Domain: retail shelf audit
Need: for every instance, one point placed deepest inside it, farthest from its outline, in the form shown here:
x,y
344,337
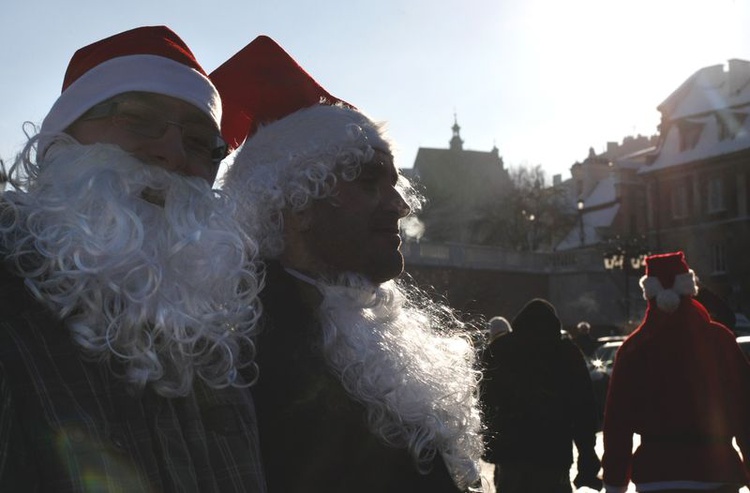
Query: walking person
x,y
540,402
680,381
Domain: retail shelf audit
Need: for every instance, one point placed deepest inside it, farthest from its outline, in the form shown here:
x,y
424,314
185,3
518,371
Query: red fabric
x,y
148,40
682,382
666,266
260,84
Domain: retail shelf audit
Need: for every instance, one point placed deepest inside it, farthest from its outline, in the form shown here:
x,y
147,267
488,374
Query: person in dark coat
x,y
539,402
364,385
583,339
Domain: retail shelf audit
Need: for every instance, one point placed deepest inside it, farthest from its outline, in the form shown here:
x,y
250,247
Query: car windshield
x,y
604,355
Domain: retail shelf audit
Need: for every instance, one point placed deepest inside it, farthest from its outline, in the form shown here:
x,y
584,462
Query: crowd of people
x,y
165,332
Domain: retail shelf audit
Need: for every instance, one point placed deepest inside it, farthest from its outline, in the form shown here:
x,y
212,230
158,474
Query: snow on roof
x,y
599,211
710,96
603,192
592,220
708,144
709,89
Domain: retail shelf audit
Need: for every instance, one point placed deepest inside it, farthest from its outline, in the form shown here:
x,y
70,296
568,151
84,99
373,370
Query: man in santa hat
x,y
365,384
682,383
128,292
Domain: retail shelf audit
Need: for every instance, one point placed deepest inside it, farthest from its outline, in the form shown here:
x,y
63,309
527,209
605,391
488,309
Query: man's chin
x,y
387,269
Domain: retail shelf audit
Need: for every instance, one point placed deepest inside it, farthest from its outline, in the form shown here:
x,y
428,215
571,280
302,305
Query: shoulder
x,y
722,331
16,299
35,346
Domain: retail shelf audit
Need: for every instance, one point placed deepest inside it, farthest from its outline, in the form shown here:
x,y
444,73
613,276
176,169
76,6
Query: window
x,y
679,199
719,258
690,134
716,195
731,125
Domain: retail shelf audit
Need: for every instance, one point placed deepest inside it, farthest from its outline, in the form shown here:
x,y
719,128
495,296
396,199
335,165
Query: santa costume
x,y
360,386
682,383
124,322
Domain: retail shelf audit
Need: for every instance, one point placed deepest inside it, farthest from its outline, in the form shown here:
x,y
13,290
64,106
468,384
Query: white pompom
x,y
667,300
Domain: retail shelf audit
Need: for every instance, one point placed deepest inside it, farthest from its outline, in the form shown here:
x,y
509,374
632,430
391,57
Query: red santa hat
x,y
668,277
261,84
149,59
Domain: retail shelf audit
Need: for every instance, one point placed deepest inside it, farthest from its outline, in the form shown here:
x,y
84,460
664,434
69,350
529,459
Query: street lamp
x,y
530,230
581,236
628,255
532,233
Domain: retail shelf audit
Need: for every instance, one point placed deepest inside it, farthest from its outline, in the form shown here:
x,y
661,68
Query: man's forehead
x,y
381,158
171,106
386,153
382,163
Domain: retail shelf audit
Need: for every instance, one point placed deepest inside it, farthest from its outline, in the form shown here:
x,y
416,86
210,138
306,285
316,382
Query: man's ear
x,y
298,221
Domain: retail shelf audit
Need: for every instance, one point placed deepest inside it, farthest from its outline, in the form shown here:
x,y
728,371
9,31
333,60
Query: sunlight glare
x,y
611,63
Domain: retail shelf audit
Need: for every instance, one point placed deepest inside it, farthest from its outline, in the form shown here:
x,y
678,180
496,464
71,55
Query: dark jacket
x,y
314,437
69,425
538,395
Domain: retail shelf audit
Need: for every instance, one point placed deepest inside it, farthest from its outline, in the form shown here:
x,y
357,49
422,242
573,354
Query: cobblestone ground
x,y
488,470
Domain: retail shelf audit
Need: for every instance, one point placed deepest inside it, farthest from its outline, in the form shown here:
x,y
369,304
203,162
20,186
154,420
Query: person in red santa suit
x,y
682,383
364,384
128,293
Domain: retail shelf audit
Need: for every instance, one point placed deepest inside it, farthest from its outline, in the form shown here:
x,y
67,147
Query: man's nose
x,y
168,151
397,203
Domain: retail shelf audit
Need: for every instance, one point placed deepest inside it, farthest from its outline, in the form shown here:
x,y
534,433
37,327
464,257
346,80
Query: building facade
x,y
687,188
459,186
697,180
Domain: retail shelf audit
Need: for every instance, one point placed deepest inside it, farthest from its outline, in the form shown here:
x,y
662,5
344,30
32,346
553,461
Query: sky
x,y
541,80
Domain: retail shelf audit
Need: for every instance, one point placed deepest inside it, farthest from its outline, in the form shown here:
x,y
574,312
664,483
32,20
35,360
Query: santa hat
x,y
262,84
149,59
667,278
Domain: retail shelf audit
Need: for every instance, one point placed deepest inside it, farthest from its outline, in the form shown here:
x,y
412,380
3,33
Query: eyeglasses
x,y
200,140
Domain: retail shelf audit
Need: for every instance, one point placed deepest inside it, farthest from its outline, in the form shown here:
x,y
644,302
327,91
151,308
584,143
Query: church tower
x,y
456,143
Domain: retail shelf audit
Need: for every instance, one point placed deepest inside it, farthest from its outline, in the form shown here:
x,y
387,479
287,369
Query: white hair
x,y
405,358
410,362
170,291
289,163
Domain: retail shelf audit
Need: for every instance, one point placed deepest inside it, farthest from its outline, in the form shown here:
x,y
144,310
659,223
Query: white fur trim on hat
x,y
324,127
146,73
317,132
669,299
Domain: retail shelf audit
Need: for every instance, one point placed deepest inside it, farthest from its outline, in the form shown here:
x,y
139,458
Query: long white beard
x,y
169,291
415,377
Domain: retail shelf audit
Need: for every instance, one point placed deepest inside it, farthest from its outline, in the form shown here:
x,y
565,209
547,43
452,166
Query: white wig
x,y
410,361
170,291
299,158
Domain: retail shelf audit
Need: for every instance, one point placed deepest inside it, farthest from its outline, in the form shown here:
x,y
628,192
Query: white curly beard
x,y
415,377
169,291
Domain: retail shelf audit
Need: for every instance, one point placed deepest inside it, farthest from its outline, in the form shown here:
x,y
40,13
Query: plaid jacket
x,y
68,425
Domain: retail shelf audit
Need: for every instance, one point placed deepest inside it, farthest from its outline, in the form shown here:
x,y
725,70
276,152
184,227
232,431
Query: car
x,y
741,324
744,342
604,357
600,367
605,339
